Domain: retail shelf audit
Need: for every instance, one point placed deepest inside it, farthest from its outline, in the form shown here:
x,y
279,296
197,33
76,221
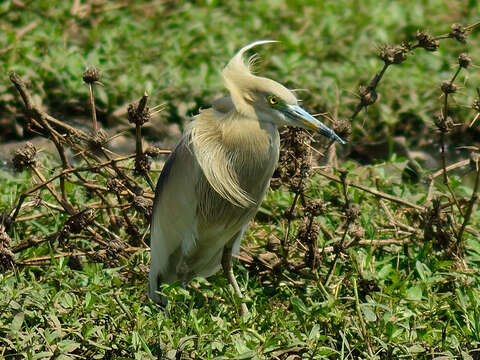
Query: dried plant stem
x,y
371,87
66,205
471,203
34,261
443,131
286,238
92,106
375,192
360,316
102,237
440,172
40,116
349,221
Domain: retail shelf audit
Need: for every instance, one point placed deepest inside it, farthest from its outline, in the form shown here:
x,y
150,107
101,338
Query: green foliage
x,y
412,301
176,49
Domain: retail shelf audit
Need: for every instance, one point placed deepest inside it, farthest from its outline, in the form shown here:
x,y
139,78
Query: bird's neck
x,y
247,137
234,152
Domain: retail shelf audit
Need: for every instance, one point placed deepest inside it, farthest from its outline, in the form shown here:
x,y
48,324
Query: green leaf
x,y
299,305
414,293
17,322
368,313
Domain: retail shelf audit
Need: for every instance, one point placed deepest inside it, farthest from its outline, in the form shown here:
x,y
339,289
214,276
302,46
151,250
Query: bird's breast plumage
x,y
240,154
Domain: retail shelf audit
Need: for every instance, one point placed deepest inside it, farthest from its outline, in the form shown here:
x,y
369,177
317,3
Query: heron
x,y
216,177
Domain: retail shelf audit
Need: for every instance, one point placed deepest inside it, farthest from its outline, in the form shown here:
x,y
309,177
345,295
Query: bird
x,y
217,175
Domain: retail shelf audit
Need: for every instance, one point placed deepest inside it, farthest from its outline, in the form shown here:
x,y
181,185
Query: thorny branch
x,y
95,215
391,55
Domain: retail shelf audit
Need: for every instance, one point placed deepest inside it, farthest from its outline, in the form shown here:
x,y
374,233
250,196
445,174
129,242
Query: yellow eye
x,y
273,100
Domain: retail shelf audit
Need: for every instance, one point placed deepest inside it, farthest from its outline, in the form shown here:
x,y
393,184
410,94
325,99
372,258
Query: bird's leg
x,y
227,265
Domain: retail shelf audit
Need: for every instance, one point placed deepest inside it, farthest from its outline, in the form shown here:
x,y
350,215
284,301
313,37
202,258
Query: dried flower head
x,y
24,157
352,211
143,164
476,105
273,243
457,31
143,205
448,87
427,41
153,151
97,140
7,258
444,125
367,95
77,222
393,54
357,232
464,60
315,207
308,232
343,128
91,75
138,117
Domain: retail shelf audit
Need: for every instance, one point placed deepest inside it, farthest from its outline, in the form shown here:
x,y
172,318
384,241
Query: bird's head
x,y
266,99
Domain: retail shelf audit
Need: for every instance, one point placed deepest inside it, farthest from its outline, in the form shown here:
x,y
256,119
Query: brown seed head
x,y
97,140
357,232
458,32
91,75
427,41
24,157
352,211
448,87
368,96
393,54
153,151
315,207
273,243
476,104
308,233
78,222
7,258
143,205
464,60
343,128
444,125
138,117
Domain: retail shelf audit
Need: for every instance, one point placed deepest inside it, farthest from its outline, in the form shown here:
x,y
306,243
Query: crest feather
x,y
238,77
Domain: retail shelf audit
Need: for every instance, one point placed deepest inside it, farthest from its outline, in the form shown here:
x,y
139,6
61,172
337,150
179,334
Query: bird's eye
x,y
273,100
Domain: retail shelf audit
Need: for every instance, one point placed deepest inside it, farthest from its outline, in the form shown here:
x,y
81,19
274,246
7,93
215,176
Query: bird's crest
x,y
238,76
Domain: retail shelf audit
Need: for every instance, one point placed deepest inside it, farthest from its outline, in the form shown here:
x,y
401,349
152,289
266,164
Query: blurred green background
x,y
175,50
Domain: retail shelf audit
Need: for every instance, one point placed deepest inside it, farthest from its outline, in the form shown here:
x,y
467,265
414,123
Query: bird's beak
x,y
303,119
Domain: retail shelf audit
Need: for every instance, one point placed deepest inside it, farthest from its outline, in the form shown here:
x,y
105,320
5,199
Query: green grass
x,y
415,301
175,51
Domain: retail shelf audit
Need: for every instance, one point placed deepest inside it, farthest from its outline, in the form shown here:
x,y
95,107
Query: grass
x,y
175,50
412,301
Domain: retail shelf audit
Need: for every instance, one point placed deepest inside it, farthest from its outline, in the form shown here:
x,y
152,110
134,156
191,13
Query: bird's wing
x,y
173,218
